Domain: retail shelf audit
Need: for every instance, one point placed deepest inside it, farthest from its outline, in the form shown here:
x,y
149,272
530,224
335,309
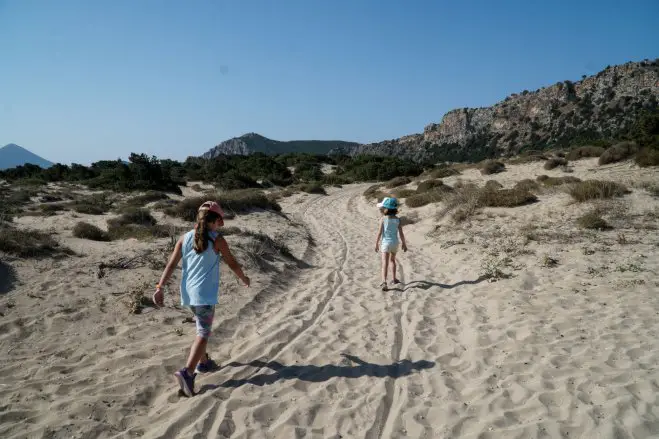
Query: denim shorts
x,y
204,319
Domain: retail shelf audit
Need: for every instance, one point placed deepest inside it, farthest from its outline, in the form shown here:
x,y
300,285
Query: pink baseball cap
x,y
213,207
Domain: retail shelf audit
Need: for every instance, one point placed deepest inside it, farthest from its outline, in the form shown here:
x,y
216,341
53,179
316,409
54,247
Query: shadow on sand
x,y
322,373
424,284
7,277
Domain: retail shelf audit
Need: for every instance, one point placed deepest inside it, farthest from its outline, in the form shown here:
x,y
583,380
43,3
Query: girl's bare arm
x,y
223,248
377,239
402,237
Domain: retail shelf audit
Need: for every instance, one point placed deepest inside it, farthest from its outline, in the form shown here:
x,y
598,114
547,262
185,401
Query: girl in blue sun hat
x,y
387,240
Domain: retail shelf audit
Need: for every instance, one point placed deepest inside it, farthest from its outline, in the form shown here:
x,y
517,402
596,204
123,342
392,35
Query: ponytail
x,y
201,234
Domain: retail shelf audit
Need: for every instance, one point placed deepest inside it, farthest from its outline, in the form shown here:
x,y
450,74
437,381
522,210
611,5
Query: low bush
x,y
557,181
505,198
596,189
489,167
555,162
89,231
133,215
398,181
428,185
313,188
29,243
592,220
647,157
492,185
443,172
527,185
618,152
232,202
433,195
583,152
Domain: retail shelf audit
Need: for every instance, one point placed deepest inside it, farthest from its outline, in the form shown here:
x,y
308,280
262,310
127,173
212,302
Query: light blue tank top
x,y
390,230
200,283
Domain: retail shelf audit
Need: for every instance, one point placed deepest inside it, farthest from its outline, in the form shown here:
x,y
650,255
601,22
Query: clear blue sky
x,y
85,80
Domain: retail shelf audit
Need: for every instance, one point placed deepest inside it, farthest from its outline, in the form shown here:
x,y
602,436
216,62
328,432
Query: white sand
x,y
569,351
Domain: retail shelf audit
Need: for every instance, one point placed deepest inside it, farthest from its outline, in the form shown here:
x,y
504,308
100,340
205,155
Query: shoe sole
x,y
184,386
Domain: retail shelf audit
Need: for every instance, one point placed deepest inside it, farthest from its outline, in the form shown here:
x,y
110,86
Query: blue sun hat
x,y
388,203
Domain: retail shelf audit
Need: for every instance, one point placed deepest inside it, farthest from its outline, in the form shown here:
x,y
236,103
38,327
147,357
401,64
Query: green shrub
x,y
97,204
89,231
378,168
233,181
596,189
555,162
584,152
335,179
618,152
373,191
505,198
138,231
492,167
647,157
592,220
398,181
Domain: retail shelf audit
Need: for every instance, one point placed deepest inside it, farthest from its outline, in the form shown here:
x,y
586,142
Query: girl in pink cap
x,y
201,251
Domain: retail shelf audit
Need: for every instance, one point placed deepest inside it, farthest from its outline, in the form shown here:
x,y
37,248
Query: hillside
x,y
13,155
603,106
252,142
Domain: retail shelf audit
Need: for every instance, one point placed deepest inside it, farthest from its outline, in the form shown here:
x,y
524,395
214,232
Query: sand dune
x,y
316,350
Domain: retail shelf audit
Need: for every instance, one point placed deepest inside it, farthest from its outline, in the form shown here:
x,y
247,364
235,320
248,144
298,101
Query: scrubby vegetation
x,y
596,189
232,202
398,181
618,152
89,231
489,167
592,220
554,162
28,243
583,152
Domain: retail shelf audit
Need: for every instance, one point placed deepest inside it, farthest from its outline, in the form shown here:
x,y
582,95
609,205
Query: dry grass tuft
x,y
398,181
28,243
89,231
493,185
505,198
596,189
583,152
527,185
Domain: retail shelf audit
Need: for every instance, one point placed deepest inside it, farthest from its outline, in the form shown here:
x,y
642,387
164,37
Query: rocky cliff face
x,y
601,106
252,142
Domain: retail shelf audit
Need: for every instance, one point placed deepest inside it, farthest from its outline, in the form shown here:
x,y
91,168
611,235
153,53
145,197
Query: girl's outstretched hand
x,y
159,297
404,247
246,281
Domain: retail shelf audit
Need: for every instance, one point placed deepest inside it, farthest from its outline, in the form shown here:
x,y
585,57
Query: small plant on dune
x,y
555,162
489,167
261,248
463,202
149,197
596,189
398,181
492,268
549,261
85,230
592,220
409,218
618,152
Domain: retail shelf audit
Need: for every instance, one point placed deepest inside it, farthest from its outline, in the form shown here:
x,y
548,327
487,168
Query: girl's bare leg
x,y
385,266
393,265
197,350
